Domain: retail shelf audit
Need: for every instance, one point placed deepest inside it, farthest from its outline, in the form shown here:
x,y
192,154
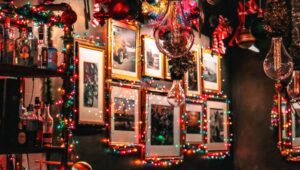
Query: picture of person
x,y
90,84
210,70
152,60
297,123
124,114
216,125
162,126
193,80
193,123
124,49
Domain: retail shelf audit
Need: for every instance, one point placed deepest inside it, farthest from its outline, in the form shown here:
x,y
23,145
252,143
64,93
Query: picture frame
x,y
167,70
211,71
162,127
91,72
217,127
125,115
124,50
193,78
295,108
194,123
154,62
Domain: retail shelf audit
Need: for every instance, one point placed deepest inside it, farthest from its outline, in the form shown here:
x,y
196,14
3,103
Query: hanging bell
x,y
245,39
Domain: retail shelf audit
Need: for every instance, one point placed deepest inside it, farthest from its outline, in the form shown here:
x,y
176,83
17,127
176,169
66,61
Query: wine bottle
x,y
32,126
9,44
22,49
33,45
37,107
22,136
47,127
52,56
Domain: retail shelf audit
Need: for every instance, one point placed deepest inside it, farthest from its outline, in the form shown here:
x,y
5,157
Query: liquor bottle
x,y
32,126
47,127
1,42
52,56
42,45
9,43
22,141
37,107
22,49
33,46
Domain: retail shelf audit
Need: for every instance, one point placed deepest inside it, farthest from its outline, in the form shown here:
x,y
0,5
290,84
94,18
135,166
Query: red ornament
x,y
101,16
69,17
82,166
119,9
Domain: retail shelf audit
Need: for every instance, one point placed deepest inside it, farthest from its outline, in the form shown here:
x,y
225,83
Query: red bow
x,y
221,32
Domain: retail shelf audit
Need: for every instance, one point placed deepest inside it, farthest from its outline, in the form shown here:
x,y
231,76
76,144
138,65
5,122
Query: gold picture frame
x,y
167,70
91,82
124,50
194,88
211,71
153,65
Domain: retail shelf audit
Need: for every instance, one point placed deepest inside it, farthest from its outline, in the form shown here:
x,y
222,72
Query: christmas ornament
x,y
220,33
81,166
173,35
176,96
258,27
69,17
245,39
124,9
100,17
278,64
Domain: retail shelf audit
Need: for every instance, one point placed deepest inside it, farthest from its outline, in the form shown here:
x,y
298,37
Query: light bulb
x,y
176,95
293,88
278,64
173,35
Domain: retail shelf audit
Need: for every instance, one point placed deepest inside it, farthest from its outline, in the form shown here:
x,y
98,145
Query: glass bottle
x,y
9,43
22,49
47,127
22,136
278,64
32,126
42,45
176,95
33,46
52,56
1,42
37,107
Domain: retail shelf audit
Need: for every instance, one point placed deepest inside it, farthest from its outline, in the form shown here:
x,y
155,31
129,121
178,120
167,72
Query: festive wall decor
x,y
217,129
293,88
194,124
124,50
193,75
91,83
125,116
295,124
163,129
154,61
211,75
221,32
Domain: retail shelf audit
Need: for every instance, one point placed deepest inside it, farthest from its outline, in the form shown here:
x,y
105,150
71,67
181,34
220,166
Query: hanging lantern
x,y
293,88
245,39
173,35
176,94
278,64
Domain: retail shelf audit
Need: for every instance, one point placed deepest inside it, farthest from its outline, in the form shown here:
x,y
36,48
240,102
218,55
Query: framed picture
x,y
211,64
91,83
167,71
296,124
217,130
285,118
193,125
163,129
193,83
153,59
125,116
124,51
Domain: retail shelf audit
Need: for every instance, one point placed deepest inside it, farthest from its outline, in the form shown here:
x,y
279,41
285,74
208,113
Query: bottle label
x,y
22,138
24,51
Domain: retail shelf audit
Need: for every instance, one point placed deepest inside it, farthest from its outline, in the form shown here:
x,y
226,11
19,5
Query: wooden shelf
x,y
19,150
23,71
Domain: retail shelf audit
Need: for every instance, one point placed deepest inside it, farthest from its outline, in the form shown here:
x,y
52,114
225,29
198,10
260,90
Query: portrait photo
x,y
162,128
193,76
217,128
153,59
124,50
91,83
125,115
211,71
193,125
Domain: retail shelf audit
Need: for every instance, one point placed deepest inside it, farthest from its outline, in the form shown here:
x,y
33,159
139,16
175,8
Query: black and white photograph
x,y
217,127
295,124
211,71
193,123
216,123
124,114
162,125
90,84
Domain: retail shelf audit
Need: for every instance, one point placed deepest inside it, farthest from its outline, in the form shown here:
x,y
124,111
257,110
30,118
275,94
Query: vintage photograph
x,y
90,84
153,59
193,123
193,75
124,114
216,123
162,125
211,71
297,123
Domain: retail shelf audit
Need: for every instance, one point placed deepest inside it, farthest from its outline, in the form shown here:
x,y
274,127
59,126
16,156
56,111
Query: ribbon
x,y
100,14
221,32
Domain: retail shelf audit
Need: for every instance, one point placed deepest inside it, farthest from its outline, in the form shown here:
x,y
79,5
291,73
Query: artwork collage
x,y
136,111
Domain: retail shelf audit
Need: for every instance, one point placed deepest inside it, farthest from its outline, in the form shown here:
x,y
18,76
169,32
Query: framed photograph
x,y
91,83
125,116
296,124
153,59
193,125
217,130
193,83
167,71
285,118
211,75
124,50
163,129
